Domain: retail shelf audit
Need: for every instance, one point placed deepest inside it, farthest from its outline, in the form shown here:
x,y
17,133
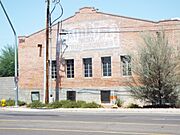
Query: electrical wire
x,y
62,11
151,28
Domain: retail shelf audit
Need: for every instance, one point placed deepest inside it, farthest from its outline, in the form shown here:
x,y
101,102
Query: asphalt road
x,y
60,123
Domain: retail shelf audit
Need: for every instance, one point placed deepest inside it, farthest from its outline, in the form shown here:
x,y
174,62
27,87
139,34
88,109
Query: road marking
x,y
91,122
164,119
82,131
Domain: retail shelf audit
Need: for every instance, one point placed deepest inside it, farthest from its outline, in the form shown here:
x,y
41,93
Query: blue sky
x,y
28,16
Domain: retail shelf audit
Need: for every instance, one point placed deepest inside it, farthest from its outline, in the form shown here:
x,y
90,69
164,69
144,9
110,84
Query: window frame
x,y
106,66
70,68
53,69
87,67
35,94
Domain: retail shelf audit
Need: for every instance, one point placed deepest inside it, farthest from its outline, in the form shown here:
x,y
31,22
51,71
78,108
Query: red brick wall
x,y
130,37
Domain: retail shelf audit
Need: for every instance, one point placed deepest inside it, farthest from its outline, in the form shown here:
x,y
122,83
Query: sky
x,y
28,16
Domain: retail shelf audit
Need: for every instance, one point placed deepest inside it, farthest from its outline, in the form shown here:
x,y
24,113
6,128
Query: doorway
x,y
71,95
105,96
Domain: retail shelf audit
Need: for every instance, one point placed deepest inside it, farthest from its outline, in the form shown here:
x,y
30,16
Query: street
x,y
88,123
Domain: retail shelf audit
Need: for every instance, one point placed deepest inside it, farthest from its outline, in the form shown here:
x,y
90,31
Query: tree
x,y
7,62
156,71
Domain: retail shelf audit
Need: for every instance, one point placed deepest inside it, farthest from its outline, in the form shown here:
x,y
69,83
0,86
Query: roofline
x,y
127,17
169,20
35,33
145,20
45,28
89,8
166,20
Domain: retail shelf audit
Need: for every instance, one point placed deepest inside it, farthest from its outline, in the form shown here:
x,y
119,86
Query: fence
x,y
7,88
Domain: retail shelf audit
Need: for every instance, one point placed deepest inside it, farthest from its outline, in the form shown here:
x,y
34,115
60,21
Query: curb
x,y
93,110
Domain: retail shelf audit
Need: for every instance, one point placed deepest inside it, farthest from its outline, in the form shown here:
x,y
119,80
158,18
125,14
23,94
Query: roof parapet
x,y
22,39
86,10
171,19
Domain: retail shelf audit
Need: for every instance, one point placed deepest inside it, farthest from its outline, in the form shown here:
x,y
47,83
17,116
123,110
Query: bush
x,y
69,104
132,105
36,104
158,106
21,103
56,104
81,104
64,104
91,105
72,104
119,102
10,102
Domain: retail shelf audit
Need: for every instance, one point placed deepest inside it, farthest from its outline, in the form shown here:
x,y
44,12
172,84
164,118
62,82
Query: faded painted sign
x,y
92,35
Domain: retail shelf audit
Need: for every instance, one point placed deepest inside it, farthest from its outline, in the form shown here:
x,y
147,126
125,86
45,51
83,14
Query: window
x,y
87,67
53,70
70,68
106,66
126,65
35,96
71,95
105,96
40,49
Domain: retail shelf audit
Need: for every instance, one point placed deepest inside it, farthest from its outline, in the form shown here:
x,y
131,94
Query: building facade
x,y
95,60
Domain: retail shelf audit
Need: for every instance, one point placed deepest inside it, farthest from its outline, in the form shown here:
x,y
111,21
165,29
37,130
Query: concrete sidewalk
x,y
92,110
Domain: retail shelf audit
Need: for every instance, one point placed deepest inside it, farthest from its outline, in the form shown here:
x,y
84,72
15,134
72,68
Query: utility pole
x,y
47,52
15,55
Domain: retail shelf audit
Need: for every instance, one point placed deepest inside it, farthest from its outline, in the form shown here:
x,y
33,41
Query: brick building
x,y
97,62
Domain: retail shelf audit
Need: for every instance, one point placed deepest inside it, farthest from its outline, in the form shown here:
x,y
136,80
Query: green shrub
x,y
21,103
80,103
132,105
69,104
64,104
119,102
56,104
10,102
72,104
36,104
91,105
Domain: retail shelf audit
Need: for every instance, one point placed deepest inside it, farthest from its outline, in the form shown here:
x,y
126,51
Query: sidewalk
x,y
93,110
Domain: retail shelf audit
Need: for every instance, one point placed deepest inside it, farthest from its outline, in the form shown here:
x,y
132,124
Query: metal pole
x,y
58,42
44,81
50,65
47,53
15,55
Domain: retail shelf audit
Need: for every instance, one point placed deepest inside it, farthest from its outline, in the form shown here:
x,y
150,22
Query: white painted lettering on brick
x,y
92,35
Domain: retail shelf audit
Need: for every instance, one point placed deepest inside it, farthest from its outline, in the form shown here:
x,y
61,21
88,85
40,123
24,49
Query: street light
x,y
15,54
